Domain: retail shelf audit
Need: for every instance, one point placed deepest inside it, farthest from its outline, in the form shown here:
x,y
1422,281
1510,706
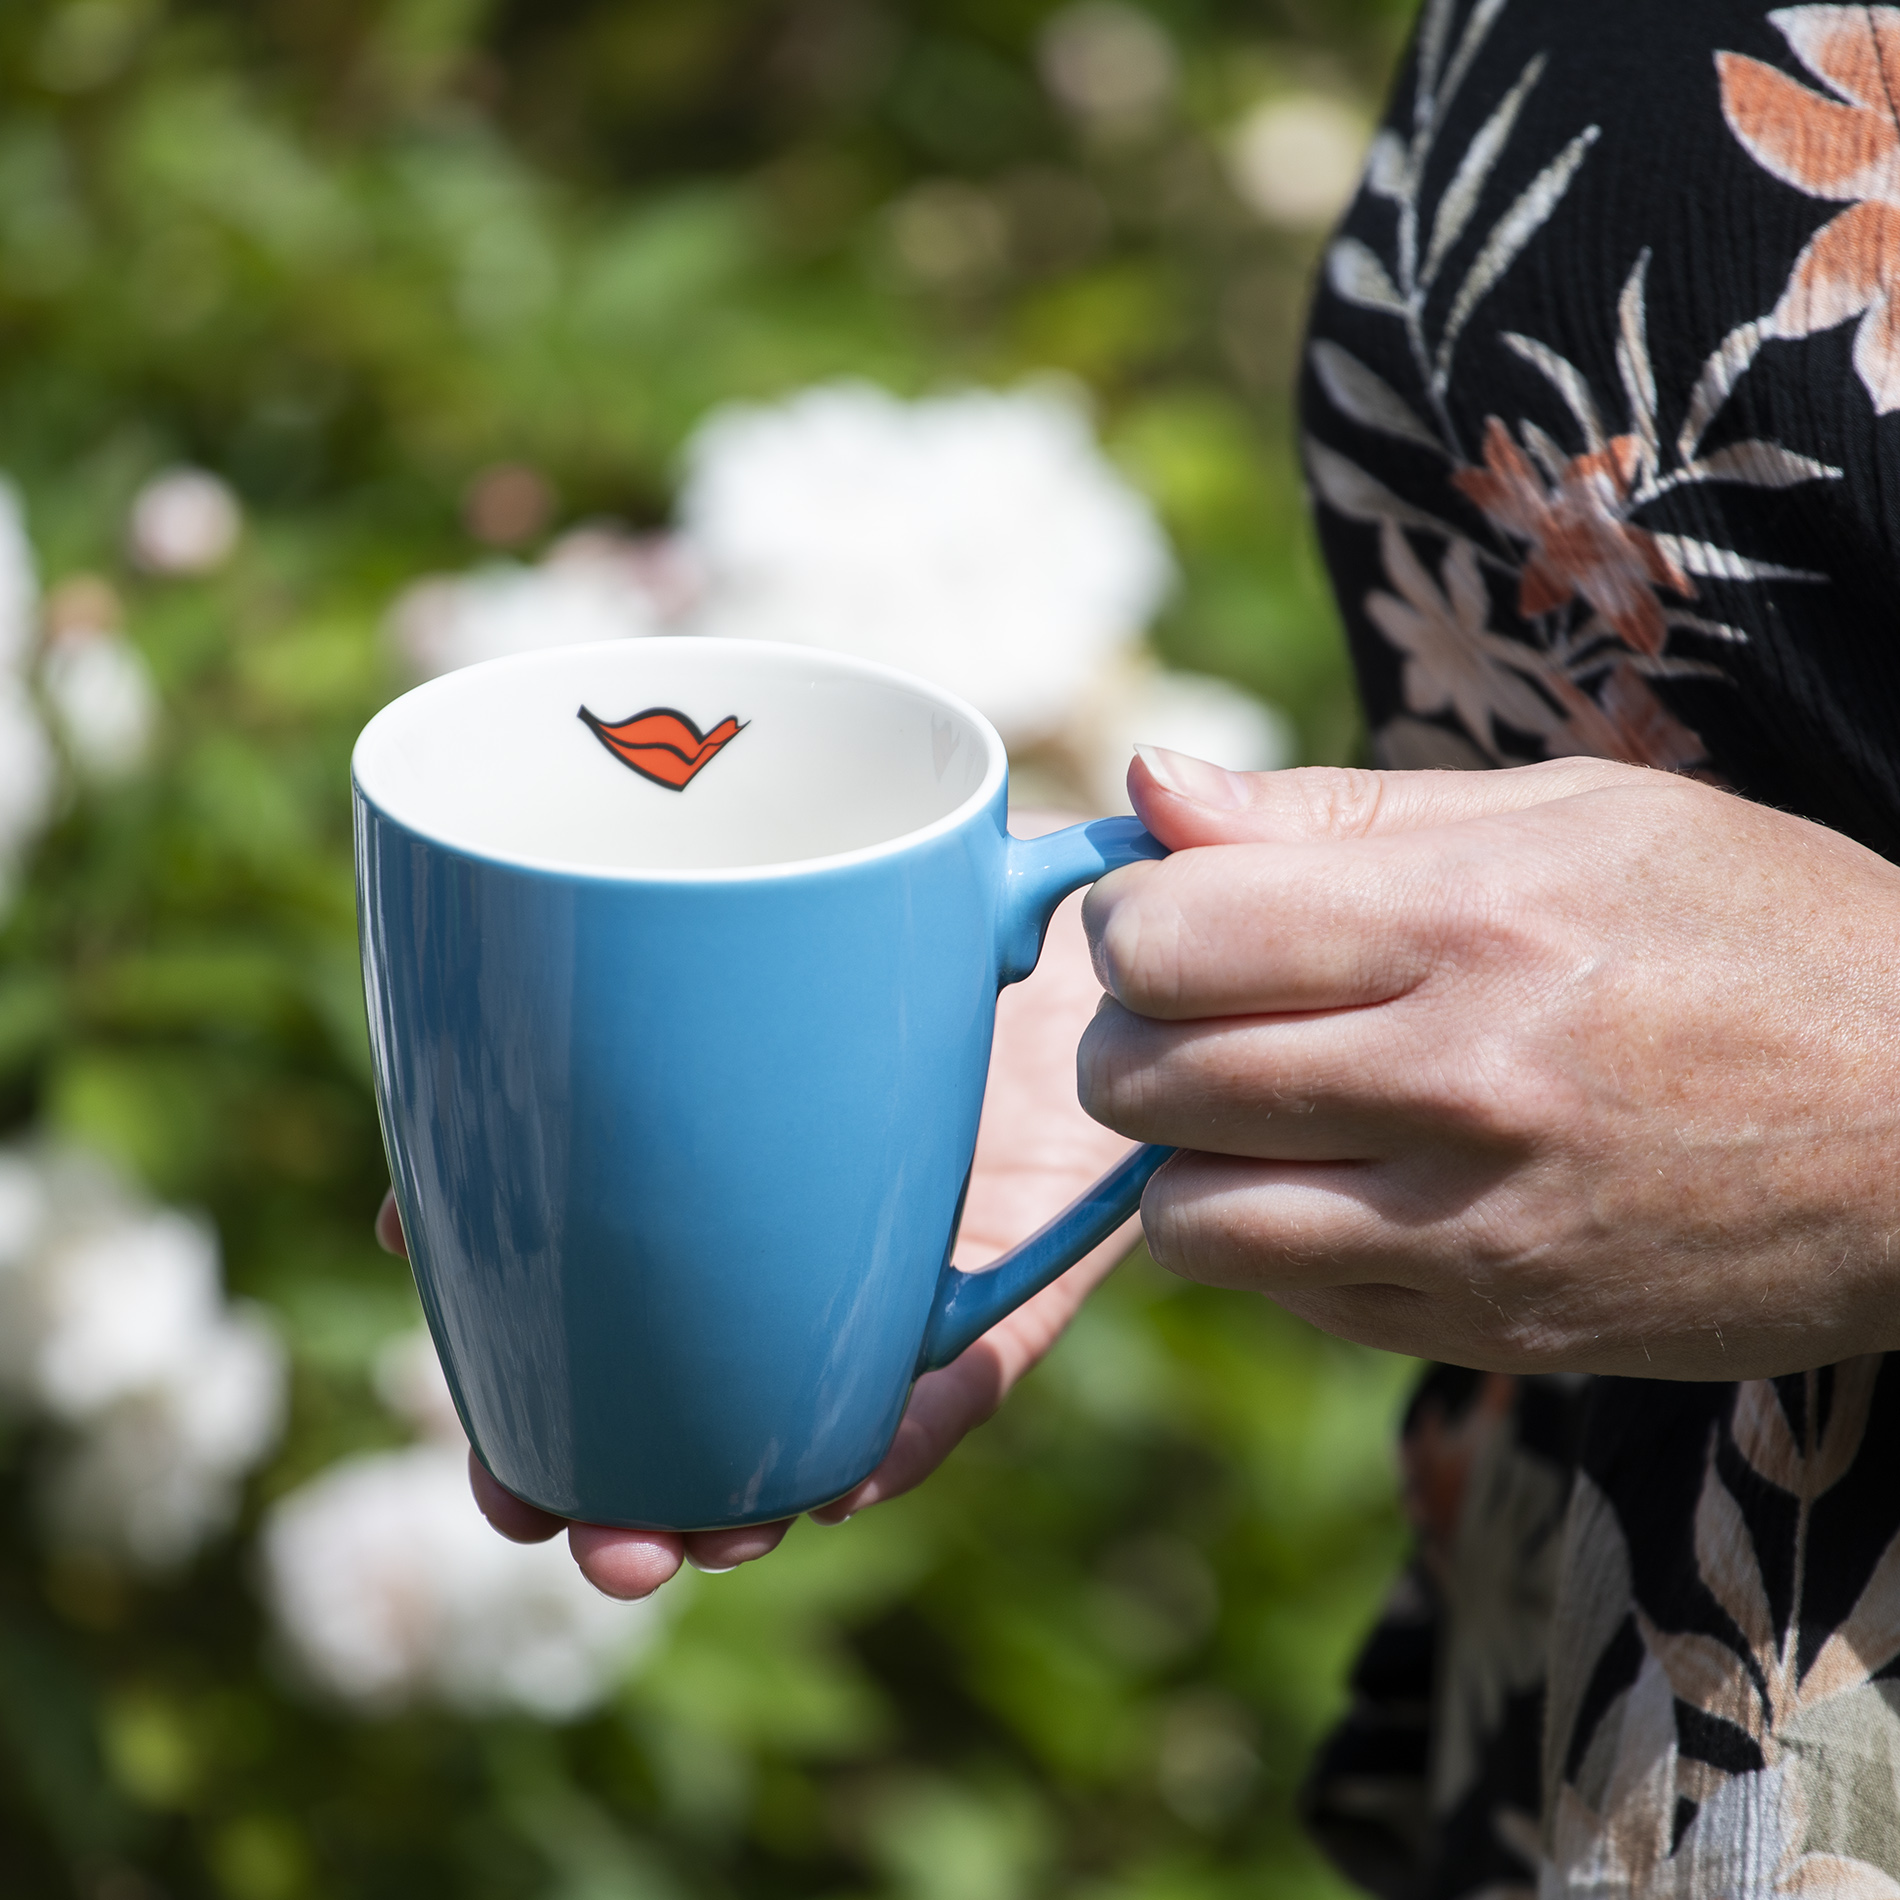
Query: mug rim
x,y
995,773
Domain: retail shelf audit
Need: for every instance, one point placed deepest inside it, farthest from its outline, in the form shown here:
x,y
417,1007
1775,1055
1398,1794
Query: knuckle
x,y
1138,957
1178,1223
1339,801
1108,1074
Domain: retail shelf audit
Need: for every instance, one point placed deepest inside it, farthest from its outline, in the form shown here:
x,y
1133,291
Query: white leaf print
x,y
1725,1557
1698,1781
1760,465
1358,276
1453,659
1361,497
1762,1435
1474,170
1868,1640
1593,1605
1567,380
1433,32
1848,1413
1639,1799
1386,167
1366,397
1726,367
1686,622
1723,564
1595,632
1483,17
1706,1674
1835,1877
1550,457
1508,237
1669,668
1633,364
1404,744
1740,1842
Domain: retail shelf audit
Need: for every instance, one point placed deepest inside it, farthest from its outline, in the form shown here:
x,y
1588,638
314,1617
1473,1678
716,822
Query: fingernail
x,y
1192,778
711,1570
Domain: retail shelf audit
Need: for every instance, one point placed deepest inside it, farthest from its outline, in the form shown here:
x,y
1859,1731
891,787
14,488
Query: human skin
x,y
1036,1151
1575,1067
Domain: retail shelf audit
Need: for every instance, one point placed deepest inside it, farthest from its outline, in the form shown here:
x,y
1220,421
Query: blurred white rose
x,y
102,698
1295,162
1108,62
157,1473
114,1325
29,769
184,521
19,584
23,1211
410,1383
122,1303
389,1587
981,540
1142,704
595,584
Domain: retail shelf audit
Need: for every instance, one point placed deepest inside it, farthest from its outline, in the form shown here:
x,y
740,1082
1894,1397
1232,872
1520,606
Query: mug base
x,y
774,1513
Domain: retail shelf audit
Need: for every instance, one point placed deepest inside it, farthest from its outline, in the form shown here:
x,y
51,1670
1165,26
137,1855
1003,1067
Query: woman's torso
x,y
1598,409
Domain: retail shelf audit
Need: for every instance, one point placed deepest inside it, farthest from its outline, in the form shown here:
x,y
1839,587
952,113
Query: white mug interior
x,y
676,755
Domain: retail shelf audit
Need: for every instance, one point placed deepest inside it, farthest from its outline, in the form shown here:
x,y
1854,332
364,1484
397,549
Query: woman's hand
x,y
1577,1066
1036,1151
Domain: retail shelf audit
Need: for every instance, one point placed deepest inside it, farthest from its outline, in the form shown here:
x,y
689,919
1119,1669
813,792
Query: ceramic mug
x,y
682,959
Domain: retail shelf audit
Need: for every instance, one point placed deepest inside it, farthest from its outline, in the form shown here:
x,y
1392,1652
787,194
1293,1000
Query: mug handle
x,y
1038,874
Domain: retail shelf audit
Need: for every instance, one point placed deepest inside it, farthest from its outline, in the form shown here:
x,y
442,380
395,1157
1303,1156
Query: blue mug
x,y
682,959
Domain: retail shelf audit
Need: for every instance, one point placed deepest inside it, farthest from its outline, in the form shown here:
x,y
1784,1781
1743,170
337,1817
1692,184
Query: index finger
x,y
1260,929
1186,801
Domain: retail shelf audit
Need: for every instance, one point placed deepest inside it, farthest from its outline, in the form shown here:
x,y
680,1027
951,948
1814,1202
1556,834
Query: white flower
x,y
113,1324
28,766
1296,161
23,1211
1108,62
19,584
981,540
389,1587
184,521
101,694
123,1304
1206,718
157,1473
594,585
409,1381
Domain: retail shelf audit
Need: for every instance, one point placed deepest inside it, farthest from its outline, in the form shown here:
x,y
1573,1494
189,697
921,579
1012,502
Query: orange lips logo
x,y
663,745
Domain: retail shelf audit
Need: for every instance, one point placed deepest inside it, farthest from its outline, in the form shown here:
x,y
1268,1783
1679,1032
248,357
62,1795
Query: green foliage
x,y
347,252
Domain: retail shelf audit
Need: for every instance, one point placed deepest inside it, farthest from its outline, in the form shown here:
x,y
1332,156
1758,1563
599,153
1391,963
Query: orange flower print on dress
x,y
1844,147
1582,543
1624,721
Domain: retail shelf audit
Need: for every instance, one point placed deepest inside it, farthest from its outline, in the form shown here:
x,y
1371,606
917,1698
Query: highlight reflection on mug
x,y
663,744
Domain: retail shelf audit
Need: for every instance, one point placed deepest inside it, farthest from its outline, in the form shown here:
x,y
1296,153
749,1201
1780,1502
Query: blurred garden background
x,y
345,340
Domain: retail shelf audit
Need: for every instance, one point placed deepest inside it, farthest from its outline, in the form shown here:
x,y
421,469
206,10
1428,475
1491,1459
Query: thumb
x,y
1186,801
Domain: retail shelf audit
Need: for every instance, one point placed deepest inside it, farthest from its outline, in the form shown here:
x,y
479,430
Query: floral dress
x,y
1598,417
